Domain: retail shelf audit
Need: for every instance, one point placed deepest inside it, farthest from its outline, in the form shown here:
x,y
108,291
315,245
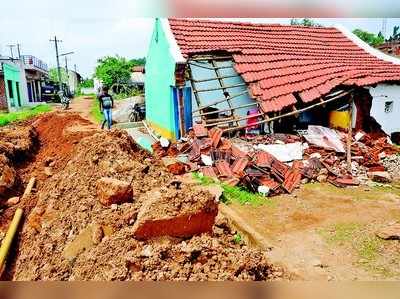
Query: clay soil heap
x,y
70,235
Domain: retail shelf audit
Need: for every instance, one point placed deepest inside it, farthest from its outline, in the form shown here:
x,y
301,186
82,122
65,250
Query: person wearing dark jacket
x,y
106,103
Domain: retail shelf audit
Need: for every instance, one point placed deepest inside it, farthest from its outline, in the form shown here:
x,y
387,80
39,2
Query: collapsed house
x,y
272,78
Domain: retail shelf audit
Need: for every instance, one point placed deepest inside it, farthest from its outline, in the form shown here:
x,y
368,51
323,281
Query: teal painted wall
x,y
13,73
160,76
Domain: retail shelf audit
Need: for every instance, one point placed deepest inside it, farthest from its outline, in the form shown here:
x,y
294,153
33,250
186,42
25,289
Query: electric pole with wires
x,y
56,41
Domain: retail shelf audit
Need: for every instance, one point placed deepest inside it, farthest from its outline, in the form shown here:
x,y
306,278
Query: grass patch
x,y
237,238
368,248
235,194
25,113
355,193
95,110
339,233
124,95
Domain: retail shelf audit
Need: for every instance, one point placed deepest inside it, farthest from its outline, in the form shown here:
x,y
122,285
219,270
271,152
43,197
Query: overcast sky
x,y
94,31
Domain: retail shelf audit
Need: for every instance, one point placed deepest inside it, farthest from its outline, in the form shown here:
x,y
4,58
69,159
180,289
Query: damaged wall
x,y
386,106
160,76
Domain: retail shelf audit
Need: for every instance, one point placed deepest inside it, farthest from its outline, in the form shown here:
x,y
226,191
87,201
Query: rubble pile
x,y
200,258
392,164
278,163
82,232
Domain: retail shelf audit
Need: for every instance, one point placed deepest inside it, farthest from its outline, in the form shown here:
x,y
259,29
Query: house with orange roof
x,y
238,76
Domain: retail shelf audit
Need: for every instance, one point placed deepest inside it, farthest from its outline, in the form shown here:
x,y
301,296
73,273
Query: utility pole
x,y
384,25
66,64
19,50
56,41
75,68
11,50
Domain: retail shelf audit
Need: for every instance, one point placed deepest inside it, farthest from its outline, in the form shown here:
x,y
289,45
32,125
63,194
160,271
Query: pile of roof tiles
x,y
227,160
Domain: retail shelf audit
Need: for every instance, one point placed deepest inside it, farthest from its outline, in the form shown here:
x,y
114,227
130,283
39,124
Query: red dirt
x,y
56,140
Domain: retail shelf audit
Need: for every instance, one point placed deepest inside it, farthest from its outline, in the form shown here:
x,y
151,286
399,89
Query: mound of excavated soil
x,y
17,143
201,258
71,235
56,139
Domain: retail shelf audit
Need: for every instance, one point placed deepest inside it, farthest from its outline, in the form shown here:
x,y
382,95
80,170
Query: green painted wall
x,y
13,74
160,76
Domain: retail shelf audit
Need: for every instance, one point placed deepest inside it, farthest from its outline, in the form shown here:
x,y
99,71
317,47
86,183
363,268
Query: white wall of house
x,y
386,106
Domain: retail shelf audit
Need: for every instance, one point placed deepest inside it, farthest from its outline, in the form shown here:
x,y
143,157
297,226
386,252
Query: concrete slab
x,y
143,139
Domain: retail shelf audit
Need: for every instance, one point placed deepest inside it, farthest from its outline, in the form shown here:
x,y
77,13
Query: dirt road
x,y
83,105
325,233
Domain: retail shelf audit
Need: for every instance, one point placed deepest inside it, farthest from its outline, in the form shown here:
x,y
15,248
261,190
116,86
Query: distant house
x,y
391,48
21,81
231,75
13,91
36,72
74,79
138,77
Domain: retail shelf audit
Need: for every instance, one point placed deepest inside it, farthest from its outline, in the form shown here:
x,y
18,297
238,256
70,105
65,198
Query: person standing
x,y
106,102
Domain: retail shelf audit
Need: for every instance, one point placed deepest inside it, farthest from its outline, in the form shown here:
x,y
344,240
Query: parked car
x,y
50,92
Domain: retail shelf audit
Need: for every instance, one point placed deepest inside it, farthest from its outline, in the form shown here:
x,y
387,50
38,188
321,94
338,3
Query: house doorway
x,y
182,103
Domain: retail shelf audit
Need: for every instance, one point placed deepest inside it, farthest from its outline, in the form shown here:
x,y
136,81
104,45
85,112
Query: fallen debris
x,y
281,162
112,191
380,176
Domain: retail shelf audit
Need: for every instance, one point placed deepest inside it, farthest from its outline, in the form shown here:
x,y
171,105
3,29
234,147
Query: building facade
x,y
36,72
21,81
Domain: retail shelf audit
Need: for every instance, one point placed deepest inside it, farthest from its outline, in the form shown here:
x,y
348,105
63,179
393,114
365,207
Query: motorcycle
x,y
137,112
64,100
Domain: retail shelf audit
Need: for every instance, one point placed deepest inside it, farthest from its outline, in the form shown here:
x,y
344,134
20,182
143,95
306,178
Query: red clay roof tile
x,y
224,168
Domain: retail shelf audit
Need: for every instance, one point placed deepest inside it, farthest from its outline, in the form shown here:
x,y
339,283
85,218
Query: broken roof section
x,y
281,63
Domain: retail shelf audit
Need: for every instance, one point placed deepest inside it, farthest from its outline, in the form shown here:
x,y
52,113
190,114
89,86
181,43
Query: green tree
x,y
396,34
304,22
53,75
370,38
113,70
138,61
87,83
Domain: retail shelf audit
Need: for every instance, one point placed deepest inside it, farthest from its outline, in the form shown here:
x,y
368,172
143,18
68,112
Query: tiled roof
x,y
278,61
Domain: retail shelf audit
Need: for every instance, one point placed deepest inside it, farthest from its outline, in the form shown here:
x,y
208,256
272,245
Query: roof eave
x,y
173,45
360,43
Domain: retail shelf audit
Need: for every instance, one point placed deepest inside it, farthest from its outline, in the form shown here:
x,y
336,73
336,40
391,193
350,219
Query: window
x,y
389,107
10,89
